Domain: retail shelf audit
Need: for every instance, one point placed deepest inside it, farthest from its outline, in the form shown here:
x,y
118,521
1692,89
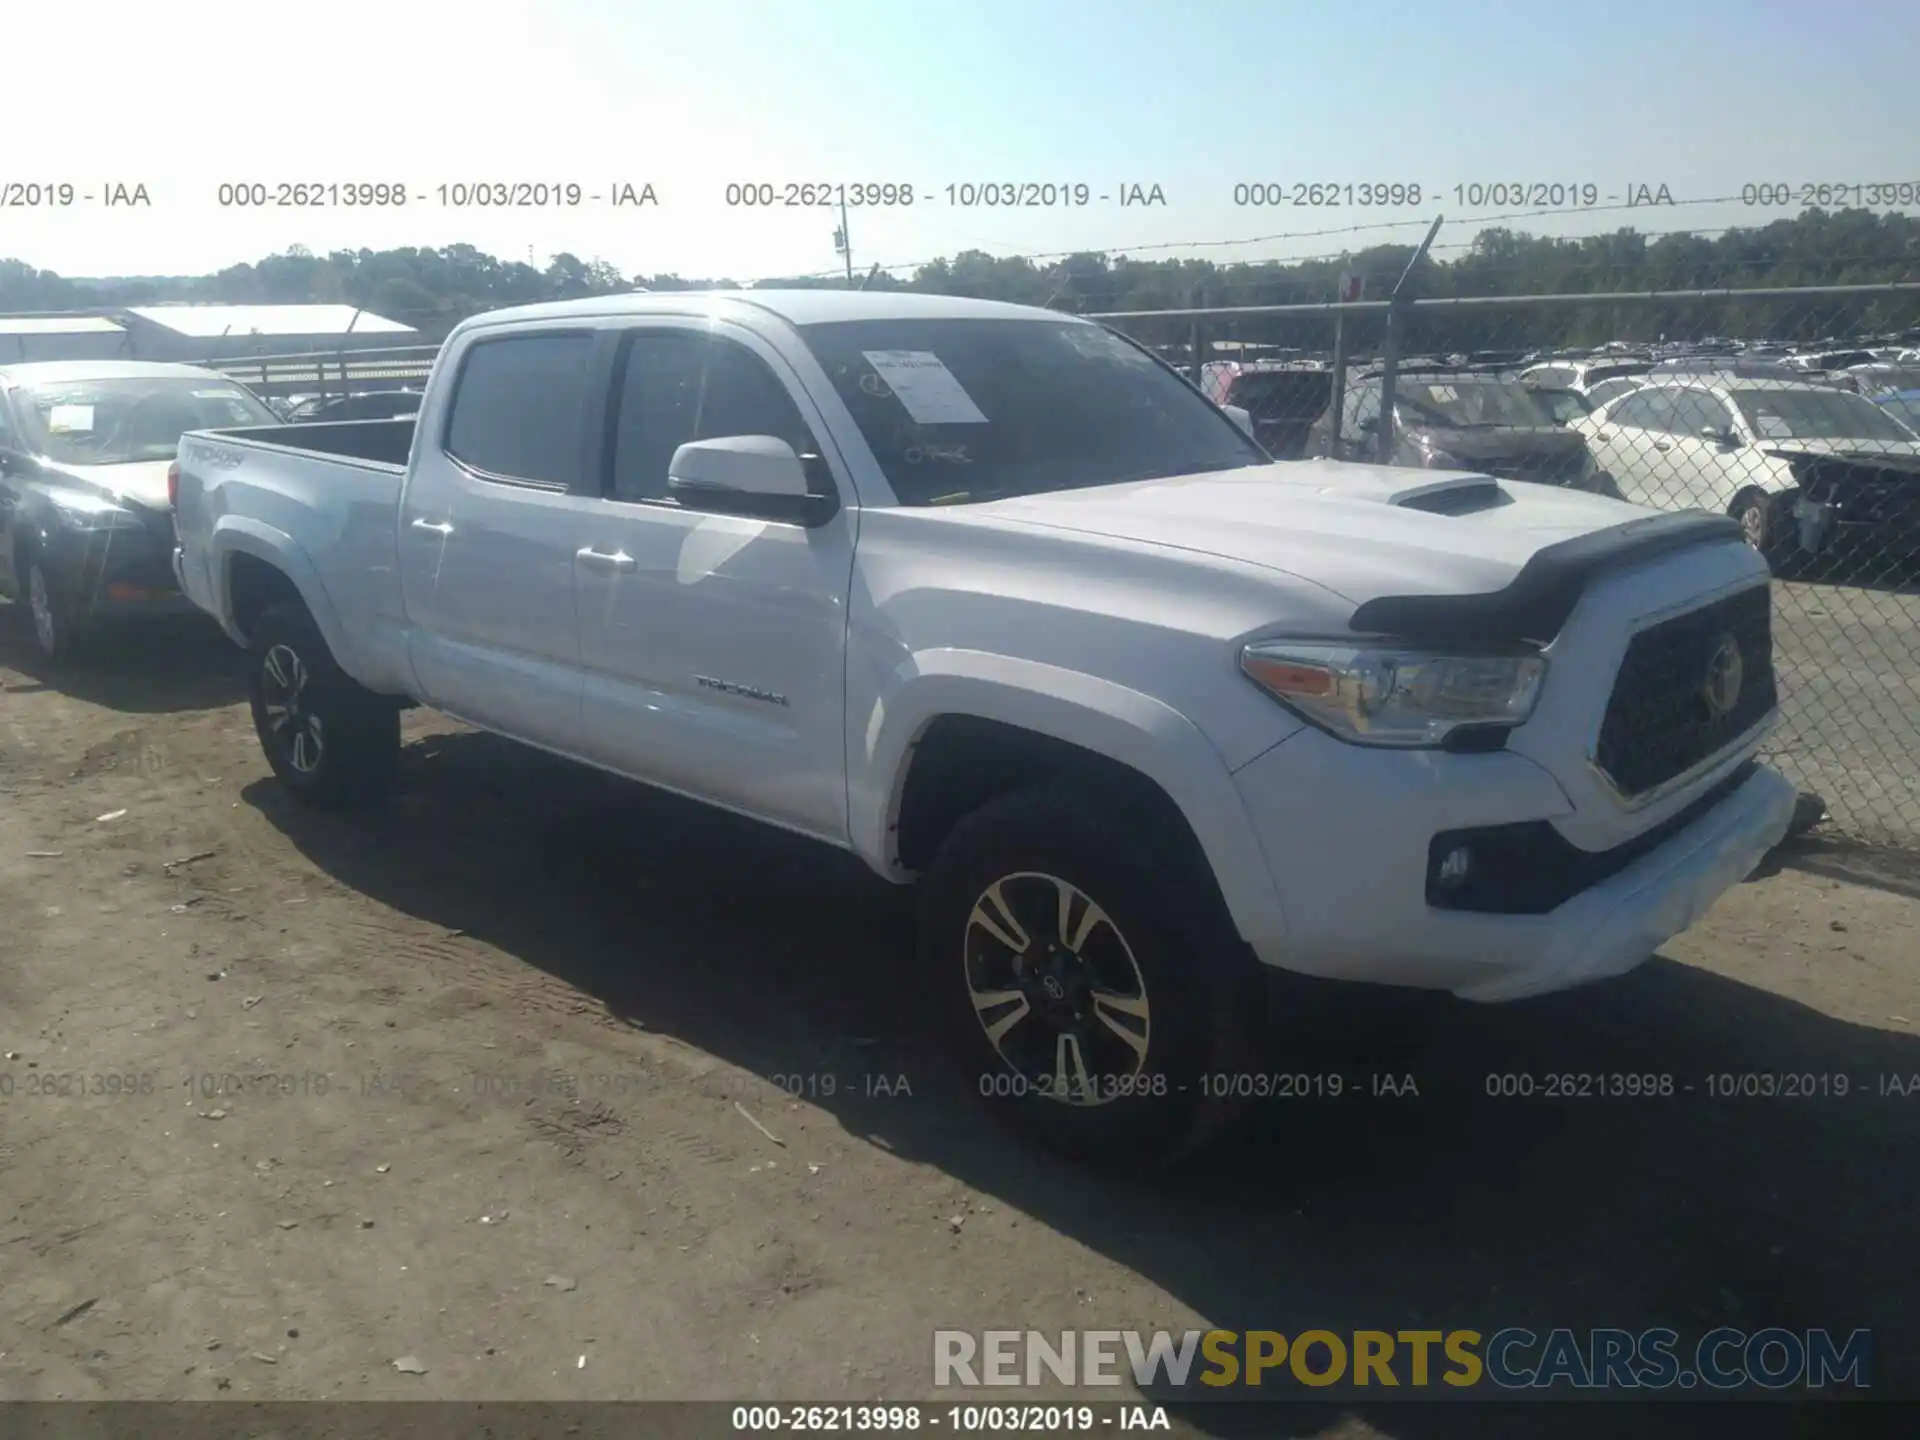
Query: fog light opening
x,y
1454,867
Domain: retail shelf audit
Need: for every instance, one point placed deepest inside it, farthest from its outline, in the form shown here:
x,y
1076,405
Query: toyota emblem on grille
x,y
1725,671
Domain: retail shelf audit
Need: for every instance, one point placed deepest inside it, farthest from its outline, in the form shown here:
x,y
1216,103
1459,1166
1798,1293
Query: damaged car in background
x,y
85,534
1458,420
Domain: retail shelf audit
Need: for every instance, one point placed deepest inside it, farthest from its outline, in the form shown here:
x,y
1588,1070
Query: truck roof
x,y
796,307
35,372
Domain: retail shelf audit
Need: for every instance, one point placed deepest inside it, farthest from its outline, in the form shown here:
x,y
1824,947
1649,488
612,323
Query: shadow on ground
x,y
1446,1210
155,667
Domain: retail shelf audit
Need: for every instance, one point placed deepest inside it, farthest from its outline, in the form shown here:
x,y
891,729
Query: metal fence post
x,y
1337,398
1390,356
1196,334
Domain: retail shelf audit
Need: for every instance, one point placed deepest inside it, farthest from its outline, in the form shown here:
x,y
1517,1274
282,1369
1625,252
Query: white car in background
x,y
1723,444
1585,377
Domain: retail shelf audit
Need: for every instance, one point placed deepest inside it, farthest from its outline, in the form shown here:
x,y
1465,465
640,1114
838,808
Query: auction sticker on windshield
x,y
924,386
70,417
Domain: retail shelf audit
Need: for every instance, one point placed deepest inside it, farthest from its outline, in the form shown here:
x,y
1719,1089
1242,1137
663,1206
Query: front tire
x,y
1761,522
1088,989
51,625
329,741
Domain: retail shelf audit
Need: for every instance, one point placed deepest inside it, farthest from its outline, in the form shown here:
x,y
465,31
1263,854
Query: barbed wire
x,y
1355,229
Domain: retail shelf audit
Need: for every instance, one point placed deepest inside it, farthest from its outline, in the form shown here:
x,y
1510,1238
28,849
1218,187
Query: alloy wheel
x,y
294,727
1057,990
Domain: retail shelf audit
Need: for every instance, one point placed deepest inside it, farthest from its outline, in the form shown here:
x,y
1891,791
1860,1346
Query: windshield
x,y
1877,378
120,421
1906,410
1472,404
1564,404
1815,415
969,410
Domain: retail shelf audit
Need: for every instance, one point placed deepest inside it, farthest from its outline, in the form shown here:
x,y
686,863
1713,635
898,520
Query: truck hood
x,y
1361,531
144,482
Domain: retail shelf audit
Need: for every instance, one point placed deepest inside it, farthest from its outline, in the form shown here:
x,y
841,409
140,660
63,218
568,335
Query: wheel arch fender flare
x,y
1133,729
242,535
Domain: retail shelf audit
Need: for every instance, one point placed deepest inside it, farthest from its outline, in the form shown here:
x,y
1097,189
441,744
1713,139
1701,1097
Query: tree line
x,y
432,289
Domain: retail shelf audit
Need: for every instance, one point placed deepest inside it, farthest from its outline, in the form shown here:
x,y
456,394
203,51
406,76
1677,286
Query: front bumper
x,y
1347,834
106,575
1890,522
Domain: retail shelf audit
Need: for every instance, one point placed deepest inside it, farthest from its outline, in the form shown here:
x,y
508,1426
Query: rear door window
x,y
519,408
1648,410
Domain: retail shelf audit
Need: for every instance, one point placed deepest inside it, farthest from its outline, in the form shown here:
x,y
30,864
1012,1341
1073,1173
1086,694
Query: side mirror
x,y
1241,417
1720,436
756,475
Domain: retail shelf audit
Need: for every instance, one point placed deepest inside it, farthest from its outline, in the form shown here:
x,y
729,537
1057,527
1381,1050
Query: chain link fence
x,y
1794,410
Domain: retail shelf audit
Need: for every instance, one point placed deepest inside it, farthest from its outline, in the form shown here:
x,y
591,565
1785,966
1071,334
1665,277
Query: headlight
x,y
80,511
1380,694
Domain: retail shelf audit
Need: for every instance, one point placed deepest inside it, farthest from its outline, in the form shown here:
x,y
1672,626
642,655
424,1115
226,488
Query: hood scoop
x,y
1449,495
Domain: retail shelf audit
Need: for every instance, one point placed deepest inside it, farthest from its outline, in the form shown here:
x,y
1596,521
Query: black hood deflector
x,y
1536,603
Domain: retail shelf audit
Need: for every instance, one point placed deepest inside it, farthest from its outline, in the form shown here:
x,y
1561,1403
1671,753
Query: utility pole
x,y
843,241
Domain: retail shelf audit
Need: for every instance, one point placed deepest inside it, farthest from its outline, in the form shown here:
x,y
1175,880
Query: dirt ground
x,y
479,1081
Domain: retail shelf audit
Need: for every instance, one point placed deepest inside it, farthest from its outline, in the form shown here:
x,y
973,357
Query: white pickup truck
x,y
991,598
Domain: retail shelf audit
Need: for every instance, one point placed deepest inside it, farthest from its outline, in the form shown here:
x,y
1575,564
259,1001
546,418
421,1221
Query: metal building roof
x,y
59,325
211,321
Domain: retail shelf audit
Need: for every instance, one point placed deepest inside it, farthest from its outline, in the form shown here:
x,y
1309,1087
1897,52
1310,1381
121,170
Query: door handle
x,y
434,527
600,560
1663,444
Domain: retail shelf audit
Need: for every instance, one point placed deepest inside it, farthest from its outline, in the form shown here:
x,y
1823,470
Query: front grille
x,y
1660,721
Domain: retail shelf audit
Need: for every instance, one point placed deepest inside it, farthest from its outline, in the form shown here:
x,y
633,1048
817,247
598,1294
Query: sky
x,y
1703,97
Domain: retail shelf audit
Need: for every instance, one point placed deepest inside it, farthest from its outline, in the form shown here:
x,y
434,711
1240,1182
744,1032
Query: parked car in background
x,y
1283,398
1607,391
1582,376
85,535
1883,378
370,405
1736,367
1727,445
1830,359
983,597
1565,406
1902,405
1454,420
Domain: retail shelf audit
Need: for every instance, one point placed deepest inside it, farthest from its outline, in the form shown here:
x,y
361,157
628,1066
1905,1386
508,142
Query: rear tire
x,y
330,741
1096,1030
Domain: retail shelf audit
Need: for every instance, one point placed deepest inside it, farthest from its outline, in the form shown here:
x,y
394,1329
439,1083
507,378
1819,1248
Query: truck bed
x,y
381,442
322,500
